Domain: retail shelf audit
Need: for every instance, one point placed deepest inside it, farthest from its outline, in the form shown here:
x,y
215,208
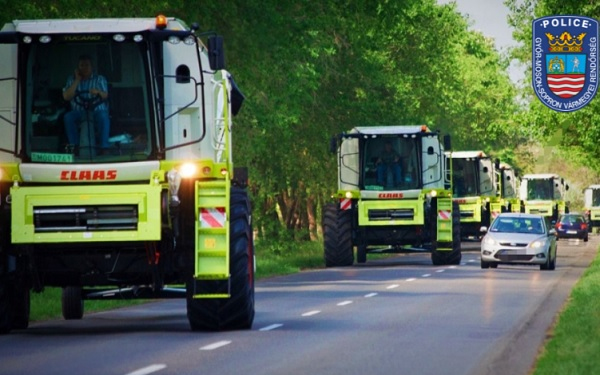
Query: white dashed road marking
x,y
452,267
393,286
216,345
438,271
148,370
344,303
370,295
426,275
310,313
271,327
411,279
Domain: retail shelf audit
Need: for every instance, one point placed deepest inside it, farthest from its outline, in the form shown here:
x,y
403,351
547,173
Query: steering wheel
x,y
86,101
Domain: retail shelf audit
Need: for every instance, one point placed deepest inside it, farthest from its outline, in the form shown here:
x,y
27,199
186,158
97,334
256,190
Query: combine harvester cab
x,y
159,205
591,200
544,194
474,188
400,204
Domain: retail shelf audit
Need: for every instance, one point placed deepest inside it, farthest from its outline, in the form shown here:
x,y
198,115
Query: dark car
x,y
572,226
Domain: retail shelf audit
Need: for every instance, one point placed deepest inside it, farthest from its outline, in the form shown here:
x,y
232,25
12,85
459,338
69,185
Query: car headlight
x,y
537,244
489,240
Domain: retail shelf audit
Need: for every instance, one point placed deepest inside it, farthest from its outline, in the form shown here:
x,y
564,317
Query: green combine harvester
x,y
393,196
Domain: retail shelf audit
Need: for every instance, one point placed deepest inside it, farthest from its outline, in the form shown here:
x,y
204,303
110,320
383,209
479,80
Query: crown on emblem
x,y
565,42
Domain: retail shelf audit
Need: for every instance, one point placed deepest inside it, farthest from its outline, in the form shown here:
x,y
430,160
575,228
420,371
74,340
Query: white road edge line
x,y
216,345
392,286
411,279
271,327
311,313
452,267
370,295
344,303
148,369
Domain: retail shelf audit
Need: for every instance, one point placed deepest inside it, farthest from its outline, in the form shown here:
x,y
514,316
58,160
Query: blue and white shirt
x,y
83,89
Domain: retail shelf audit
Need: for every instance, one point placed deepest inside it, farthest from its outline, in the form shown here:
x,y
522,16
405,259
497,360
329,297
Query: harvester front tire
x,y
20,303
237,311
337,234
72,303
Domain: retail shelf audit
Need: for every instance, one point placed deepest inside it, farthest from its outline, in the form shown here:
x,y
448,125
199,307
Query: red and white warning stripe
x,y
445,215
212,217
345,204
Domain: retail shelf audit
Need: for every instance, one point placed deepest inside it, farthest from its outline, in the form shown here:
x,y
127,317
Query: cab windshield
x,y
541,189
391,163
464,178
91,127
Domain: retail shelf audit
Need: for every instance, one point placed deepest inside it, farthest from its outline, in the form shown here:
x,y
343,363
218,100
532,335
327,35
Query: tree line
x,y
312,69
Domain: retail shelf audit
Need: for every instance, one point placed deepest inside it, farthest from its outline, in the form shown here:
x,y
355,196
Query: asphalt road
x,y
391,316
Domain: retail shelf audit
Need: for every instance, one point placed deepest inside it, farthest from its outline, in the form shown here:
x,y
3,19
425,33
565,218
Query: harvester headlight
x,y
187,170
45,39
348,194
190,40
174,39
433,193
119,38
206,170
138,38
223,171
27,39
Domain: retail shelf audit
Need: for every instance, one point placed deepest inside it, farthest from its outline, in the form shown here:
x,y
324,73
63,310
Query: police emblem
x,y
565,57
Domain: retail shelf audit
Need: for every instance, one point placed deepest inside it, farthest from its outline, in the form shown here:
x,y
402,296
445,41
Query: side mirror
x,y
333,145
430,150
447,143
552,232
216,55
483,229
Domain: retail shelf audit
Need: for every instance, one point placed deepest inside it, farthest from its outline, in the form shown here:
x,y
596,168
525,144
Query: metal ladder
x,y
212,235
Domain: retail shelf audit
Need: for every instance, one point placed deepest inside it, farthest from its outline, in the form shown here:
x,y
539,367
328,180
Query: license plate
x,y
514,252
571,232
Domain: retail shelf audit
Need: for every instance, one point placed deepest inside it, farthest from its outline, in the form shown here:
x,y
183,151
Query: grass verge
x,y
573,346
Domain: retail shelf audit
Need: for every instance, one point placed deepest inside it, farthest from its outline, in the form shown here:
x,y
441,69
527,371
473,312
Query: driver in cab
x,y
87,92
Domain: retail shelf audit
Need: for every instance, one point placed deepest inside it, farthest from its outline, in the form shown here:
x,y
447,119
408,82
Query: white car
x,y
516,238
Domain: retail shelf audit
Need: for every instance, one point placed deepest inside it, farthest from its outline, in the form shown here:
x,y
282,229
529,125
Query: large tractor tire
x,y
337,234
20,305
361,254
237,311
72,303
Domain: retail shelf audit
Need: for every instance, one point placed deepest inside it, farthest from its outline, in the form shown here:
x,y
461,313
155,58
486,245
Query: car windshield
x,y
517,225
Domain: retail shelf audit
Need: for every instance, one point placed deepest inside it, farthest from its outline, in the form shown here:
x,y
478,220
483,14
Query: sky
x,y
490,18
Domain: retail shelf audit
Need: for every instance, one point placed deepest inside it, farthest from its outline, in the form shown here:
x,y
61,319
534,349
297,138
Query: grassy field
x,y
574,342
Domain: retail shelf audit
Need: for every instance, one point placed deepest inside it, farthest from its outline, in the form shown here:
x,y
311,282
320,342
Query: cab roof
x,y
540,176
390,130
91,25
467,154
